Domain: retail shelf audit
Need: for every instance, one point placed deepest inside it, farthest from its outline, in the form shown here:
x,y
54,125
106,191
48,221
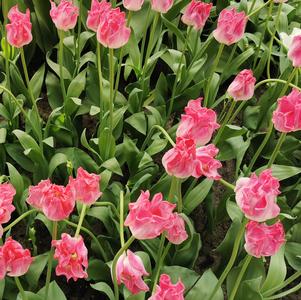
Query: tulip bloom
x,y
166,290
256,196
85,186
198,123
112,31
96,13
230,26
133,5
129,271
294,52
19,29
148,219
161,6
263,240
16,260
72,256
242,87
64,16
175,230
196,14
287,116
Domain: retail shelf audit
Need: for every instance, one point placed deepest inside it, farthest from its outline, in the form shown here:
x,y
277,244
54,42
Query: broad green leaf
x,y
104,288
54,292
37,81
138,122
282,172
56,160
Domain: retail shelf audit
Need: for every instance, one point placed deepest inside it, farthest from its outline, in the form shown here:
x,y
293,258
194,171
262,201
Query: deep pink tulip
x,y
96,13
175,231
264,240
16,259
196,14
205,162
148,219
161,6
64,16
19,28
129,271
112,31
7,193
72,256
287,116
133,5
256,196
179,161
85,186
242,87
198,123
166,290
294,51
230,26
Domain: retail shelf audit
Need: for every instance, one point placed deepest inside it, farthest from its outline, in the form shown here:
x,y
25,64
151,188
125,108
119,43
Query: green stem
x,y
144,37
278,81
258,9
225,121
252,6
81,219
107,204
231,261
174,88
179,193
272,39
214,66
114,263
283,294
284,284
173,189
121,219
94,238
50,258
100,80
288,82
20,288
240,276
20,218
277,149
61,62
78,34
228,61
151,133
237,111
227,184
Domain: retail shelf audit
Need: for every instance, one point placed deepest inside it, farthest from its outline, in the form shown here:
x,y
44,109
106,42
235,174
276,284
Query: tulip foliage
x,y
150,149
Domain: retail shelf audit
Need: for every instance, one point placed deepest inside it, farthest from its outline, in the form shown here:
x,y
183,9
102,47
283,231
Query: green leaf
x,y
77,85
138,122
29,296
16,180
104,288
56,67
282,172
233,210
3,132
36,81
112,164
54,292
56,160
292,254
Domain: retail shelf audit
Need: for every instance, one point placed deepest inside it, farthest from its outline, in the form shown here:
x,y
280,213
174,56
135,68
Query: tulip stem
x,y
288,82
120,59
225,121
277,149
272,39
61,61
50,258
258,9
240,276
232,259
94,238
144,37
214,66
121,218
178,73
78,35
283,294
81,219
278,81
237,111
20,288
114,264
100,80
151,133
227,184
20,218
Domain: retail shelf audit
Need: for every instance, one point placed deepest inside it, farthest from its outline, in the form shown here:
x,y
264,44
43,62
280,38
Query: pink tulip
x,y
129,271
196,14
112,31
2,266
294,52
175,230
166,290
56,201
256,196
133,5
206,164
64,16
96,13
72,256
179,161
264,240
161,6
198,123
7,193
19,29
230,26
16,259
148,219
287,116
85,186
242,87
